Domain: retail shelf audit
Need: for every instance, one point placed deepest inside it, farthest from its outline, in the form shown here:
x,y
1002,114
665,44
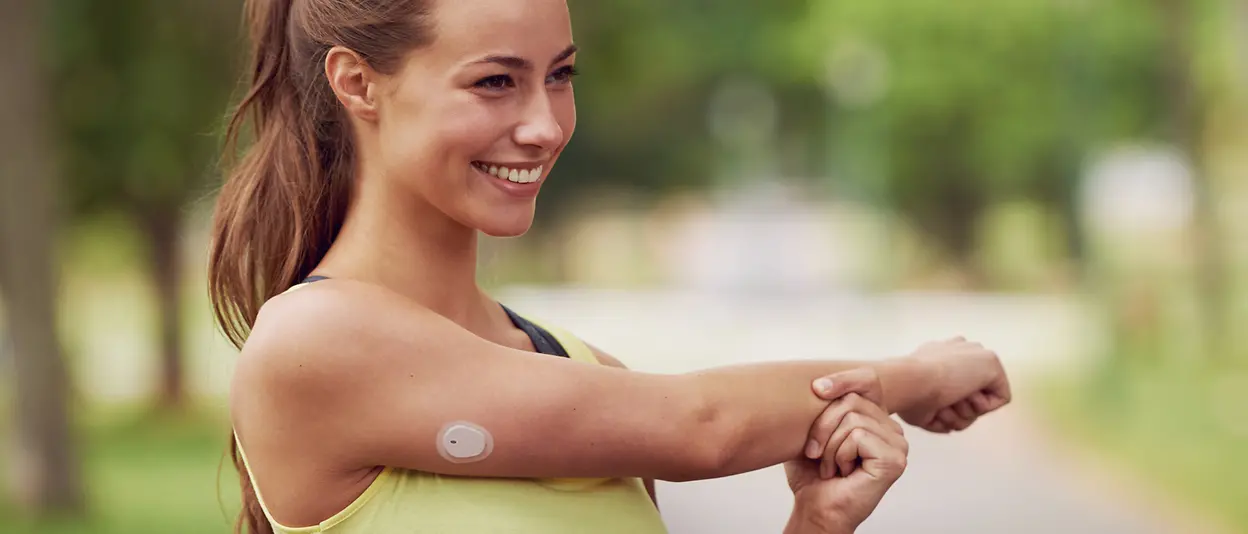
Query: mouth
x,y
520,173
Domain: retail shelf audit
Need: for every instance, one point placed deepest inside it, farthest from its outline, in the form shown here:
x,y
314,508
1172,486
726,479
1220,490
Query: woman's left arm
x,y
611,361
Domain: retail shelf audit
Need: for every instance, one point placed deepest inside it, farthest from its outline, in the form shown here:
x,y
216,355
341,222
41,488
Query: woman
x,y
387,392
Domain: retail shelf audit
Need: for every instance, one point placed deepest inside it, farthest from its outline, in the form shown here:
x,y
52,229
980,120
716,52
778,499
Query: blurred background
x,y
1063,180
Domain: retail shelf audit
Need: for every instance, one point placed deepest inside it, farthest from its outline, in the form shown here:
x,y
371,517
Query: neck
x,y
397,241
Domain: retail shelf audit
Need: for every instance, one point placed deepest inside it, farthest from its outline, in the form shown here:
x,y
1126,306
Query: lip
x,y
528,190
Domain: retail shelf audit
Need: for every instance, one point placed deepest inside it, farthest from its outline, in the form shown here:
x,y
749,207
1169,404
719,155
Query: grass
x,y
1183,428
148,474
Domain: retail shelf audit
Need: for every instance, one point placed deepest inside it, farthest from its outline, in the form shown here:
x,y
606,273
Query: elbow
x,y
709,442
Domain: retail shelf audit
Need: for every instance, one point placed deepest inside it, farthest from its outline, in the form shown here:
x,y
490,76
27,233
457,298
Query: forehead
x,y
531,29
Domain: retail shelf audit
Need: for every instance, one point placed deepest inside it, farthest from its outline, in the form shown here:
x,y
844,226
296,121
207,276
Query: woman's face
x,y
474,122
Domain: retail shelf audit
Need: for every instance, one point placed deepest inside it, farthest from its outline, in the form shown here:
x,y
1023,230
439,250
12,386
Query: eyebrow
x,y
513,62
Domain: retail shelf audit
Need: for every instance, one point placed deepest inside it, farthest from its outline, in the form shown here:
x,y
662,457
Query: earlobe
x,y
350,78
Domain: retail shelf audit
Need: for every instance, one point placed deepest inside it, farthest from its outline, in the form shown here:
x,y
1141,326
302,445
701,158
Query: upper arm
x,y
376,378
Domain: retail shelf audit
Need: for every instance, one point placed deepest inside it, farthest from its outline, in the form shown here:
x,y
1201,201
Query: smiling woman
x,y
380,390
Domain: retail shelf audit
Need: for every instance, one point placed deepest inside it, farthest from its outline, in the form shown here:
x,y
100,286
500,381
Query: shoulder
x,y
301,352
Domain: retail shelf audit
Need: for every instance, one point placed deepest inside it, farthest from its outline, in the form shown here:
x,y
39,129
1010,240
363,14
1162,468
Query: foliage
x,y
141,90
943,108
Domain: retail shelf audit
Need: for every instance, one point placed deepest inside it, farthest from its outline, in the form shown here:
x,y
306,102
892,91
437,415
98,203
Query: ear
x,y
353,82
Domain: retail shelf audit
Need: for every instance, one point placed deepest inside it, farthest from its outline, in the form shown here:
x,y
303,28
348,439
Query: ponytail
x,y
284,202
285,199
281,205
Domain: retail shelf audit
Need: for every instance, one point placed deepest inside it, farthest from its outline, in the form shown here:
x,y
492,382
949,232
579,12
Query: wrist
x,y
808,520
909,383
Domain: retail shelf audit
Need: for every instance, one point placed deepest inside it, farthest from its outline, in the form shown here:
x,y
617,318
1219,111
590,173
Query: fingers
x,y
834,462
883,459
828,422
952,420
964,410
979,401
833,417
1001,390
858,412
863,381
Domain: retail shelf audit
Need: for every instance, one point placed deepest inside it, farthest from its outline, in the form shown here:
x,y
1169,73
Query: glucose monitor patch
x,y
463,442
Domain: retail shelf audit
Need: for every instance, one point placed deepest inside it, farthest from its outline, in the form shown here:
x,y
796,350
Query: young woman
x,y
380,390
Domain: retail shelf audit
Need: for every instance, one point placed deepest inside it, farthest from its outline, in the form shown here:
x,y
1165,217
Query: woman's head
x,y
410,104
490,91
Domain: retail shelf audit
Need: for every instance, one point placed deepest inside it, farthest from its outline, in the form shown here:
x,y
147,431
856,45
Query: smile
x,y
515,174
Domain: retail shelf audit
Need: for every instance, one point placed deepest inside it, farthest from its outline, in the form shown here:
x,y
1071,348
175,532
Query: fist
x,y
864,457
970,382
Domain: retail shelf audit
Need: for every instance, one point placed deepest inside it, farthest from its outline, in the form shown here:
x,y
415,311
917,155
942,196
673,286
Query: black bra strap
x,y
543,341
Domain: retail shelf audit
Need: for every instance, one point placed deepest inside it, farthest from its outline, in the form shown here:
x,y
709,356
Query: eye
x,y
497,82
563,75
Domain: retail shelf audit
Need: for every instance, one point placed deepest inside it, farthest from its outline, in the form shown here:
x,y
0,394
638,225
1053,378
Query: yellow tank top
x,y
416,502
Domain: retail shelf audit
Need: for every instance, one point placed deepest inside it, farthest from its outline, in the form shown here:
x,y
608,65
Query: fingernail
x,y
823,386
812,449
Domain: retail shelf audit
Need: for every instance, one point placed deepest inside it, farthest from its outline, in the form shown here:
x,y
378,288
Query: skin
x,y
403,324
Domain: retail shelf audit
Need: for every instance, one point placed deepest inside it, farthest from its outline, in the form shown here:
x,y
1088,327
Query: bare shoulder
x,y
300,329
299,354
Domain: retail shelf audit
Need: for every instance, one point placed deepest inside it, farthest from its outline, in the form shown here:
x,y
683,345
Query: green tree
x,y
142,89
47,465
981,101
649,71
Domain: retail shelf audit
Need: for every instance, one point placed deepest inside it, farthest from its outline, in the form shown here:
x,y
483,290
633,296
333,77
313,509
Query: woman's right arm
x,y
359,376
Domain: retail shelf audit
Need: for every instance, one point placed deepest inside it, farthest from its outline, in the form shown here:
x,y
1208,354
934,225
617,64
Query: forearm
x,y
763,412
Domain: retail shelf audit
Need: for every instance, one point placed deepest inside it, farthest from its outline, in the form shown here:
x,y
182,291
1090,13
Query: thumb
x,y
863,381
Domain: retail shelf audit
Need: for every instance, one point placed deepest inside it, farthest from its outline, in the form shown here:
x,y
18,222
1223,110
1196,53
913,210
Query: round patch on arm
x,y
462,442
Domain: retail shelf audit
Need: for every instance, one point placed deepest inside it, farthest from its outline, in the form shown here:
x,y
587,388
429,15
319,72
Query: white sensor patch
x,y
462,442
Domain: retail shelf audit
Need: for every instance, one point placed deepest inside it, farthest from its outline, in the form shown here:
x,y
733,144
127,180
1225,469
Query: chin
x,y
496,226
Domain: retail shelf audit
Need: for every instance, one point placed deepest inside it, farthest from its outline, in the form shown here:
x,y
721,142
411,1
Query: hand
x,y
869,452
971,383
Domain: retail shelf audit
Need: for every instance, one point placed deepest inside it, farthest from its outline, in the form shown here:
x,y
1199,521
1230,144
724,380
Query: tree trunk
x,y
46,469
1187,123
162,229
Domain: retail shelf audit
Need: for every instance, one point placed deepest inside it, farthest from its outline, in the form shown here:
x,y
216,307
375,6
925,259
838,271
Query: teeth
x,y
519,176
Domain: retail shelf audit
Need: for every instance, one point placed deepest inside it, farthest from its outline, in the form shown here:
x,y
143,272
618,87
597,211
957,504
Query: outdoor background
x,y
1064,180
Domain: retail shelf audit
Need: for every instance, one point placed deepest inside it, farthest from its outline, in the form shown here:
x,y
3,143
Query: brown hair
x,y
285,200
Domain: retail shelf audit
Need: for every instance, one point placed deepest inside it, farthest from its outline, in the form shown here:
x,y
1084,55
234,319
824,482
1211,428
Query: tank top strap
x,y
577,350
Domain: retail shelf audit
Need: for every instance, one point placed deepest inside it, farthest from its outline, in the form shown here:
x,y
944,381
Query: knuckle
x,y
832,416
897,426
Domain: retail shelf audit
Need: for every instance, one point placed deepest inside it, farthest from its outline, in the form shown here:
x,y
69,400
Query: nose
x,y
539,127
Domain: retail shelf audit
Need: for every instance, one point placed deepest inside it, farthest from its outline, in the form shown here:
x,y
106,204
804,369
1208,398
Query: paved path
x,y
999,477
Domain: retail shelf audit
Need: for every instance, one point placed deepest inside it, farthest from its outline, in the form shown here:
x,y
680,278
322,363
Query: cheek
x,y
565,113
436,138
467,131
